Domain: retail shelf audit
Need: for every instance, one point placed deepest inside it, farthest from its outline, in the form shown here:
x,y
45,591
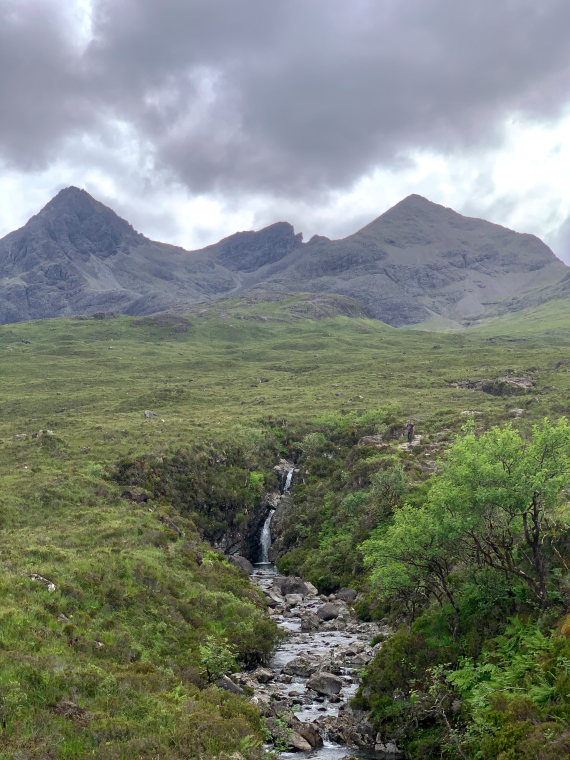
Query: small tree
x,y
216,658
494,504
498,495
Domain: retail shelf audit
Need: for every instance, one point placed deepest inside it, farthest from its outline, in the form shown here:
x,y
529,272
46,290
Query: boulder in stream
x,y
298,743
302,666
310,622
293,585
329,611
263,675
308,731
325,683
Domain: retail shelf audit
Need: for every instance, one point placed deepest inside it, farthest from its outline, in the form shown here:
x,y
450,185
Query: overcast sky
x,y
197,118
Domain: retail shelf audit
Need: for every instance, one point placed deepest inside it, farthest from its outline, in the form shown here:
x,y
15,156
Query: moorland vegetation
x,y
118,614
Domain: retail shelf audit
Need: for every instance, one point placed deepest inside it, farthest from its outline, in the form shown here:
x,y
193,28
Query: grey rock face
x,y
416,261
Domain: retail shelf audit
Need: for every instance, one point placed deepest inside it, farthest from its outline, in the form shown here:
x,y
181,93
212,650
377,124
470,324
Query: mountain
x,y
417,261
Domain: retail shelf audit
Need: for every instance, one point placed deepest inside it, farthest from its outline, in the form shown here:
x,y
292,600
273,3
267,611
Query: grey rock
x,y
310,622
325,683
346,594
329,611
242,562
293,585
308,731
76,256
263,675
302,666
226,683
298,743
293,599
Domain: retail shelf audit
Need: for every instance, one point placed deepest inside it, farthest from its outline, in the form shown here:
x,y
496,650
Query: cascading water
x,y
265,539
288,480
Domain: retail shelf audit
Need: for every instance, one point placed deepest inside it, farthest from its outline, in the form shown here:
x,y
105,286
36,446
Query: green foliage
x,y
120,636
494,505
216,658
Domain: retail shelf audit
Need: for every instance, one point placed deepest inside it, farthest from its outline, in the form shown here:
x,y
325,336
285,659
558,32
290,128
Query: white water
x,y
265,540
288,480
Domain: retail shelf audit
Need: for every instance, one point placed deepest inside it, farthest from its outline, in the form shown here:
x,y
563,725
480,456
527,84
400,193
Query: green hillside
x,y
117,661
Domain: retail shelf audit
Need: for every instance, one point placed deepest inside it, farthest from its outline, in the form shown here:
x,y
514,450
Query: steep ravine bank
x,y
304,692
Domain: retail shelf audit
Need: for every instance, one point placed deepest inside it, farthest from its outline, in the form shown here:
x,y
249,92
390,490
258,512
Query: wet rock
x,y
302,666
308,732
329,611
263,675
293,586
346,594
241,562
275,597
325,683
298,743
388,748
293,599
310,622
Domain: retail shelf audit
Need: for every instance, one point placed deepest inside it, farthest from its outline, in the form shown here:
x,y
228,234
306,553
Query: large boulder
x,y
241,562
329,611
298,743
346,594
226,683
302,666
308,731
325,684
263,675
293,586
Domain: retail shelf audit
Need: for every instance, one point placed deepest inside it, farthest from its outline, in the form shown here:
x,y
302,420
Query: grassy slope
x,y
123,578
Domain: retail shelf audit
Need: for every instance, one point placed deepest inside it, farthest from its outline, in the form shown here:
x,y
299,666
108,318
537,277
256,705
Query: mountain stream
x,y
304,692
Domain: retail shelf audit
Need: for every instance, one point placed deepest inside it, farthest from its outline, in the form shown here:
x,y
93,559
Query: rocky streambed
x,y
304,692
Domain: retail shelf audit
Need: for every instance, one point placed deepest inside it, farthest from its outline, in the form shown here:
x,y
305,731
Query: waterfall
x,y
265,540
265,537
288,480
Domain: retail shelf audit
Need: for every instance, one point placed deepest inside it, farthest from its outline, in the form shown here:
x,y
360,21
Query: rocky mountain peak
x,y
76,224
248,251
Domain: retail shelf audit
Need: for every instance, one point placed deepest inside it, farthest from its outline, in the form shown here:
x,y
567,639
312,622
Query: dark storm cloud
x,y
281,96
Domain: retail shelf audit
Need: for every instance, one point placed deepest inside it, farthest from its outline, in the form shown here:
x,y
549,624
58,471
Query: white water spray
x,y
265,540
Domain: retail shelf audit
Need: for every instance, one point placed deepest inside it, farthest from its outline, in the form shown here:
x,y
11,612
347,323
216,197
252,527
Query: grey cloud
x,y
41,84
285,97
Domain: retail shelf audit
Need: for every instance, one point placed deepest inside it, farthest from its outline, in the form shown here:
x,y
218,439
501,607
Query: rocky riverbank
x,y
304,692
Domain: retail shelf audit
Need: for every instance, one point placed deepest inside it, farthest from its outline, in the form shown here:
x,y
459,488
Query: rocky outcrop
x,y
500,386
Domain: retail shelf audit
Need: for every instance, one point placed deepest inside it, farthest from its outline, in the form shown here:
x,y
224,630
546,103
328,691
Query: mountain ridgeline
x,y
417,262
